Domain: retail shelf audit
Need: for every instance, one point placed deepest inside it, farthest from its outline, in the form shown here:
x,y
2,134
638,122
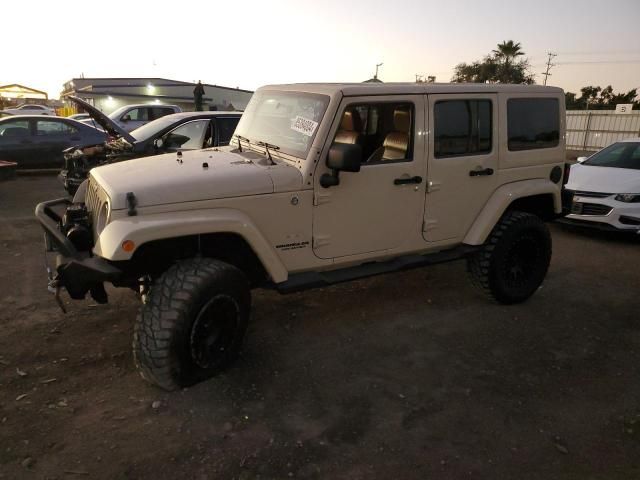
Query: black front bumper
x,y
78,272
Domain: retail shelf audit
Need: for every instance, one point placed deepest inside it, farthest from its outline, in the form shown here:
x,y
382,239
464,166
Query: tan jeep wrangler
x,y
323,183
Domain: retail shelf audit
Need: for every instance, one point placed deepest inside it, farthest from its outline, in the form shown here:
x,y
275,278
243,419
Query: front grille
x,y
92,199
596,209
592,194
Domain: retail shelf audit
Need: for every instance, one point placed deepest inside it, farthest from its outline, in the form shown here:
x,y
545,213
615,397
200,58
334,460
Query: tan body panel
x,y
500,201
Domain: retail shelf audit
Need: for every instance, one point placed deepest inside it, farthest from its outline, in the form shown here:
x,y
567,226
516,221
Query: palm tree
x,y
508,51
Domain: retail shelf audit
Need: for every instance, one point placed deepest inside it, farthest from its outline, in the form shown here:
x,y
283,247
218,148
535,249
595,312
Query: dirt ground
x,y
409,375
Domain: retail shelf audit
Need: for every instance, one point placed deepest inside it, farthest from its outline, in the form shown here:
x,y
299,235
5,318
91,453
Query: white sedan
x,y
606,188
29,109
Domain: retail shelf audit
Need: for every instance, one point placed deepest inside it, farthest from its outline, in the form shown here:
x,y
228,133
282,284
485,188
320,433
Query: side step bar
x,y
306,280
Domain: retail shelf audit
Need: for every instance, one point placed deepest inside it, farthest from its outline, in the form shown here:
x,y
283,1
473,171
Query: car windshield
x,y
147,131
288,120
618,155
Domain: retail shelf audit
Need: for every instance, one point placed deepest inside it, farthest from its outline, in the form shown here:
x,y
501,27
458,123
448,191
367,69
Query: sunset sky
x,y
251,43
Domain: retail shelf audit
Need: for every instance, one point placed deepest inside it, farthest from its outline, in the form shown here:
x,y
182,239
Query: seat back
x,y
396,143
350,127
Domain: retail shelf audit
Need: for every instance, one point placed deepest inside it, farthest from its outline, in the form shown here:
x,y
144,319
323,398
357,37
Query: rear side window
x,y
462,127
533,123
157,112
226,127
51,127
14,128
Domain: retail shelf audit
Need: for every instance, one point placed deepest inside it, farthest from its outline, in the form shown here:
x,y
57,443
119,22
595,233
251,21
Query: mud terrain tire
x,y
192,323
514,260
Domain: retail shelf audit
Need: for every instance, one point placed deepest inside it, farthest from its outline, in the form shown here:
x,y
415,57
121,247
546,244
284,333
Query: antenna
x,y
549,65
377,65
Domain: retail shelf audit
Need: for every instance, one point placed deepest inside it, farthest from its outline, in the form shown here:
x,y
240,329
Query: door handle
x,y
480,173
407,181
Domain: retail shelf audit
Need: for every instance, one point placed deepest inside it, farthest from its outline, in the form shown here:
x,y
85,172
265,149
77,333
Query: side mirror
x,y
158,143
343,157
125,119
581,159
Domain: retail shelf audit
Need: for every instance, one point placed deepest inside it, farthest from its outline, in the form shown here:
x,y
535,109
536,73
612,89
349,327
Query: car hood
x,y
162,179
587,178
111,127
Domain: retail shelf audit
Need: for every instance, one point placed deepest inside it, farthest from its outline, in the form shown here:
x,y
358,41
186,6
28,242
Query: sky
x,y
247,44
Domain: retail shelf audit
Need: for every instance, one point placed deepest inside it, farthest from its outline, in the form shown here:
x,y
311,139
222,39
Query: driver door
x,y
379,208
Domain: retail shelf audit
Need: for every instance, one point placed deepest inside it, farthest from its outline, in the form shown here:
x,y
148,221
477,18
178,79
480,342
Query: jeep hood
x,y
162,179
111,127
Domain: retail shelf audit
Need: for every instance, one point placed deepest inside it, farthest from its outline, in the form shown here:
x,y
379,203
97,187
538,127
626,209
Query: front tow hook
x,y
54,287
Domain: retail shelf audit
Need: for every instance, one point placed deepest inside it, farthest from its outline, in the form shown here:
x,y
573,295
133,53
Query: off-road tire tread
x,y
479,263
163,315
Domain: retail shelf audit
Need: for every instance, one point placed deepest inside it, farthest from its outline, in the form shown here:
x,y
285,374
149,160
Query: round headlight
x,y
103,217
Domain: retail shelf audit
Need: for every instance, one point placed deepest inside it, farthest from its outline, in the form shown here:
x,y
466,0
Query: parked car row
x,y
35,141
170,133
130,117
82,141
29,109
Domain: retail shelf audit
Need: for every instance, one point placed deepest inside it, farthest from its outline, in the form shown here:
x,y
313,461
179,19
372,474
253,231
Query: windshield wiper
x,y
240,140
268,146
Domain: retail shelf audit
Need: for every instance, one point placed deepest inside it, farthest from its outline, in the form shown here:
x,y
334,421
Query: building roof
x,y
15,90
141,82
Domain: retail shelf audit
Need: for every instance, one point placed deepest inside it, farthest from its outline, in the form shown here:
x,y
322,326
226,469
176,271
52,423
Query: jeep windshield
x,y
288,120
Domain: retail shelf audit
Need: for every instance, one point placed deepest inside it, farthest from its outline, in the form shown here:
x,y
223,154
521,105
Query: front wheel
x,y
514,260
192,323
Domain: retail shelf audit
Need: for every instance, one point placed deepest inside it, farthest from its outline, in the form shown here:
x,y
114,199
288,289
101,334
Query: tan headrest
x,y
351,121
402,121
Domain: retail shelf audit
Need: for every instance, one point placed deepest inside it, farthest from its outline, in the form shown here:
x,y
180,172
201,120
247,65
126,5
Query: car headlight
x,y
103,217
628,197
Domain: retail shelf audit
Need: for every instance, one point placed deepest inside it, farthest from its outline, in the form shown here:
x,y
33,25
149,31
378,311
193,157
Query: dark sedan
x,y
179,131
35,141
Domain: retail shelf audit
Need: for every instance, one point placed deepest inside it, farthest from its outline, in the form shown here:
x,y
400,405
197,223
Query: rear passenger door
x,y
52,136
462,162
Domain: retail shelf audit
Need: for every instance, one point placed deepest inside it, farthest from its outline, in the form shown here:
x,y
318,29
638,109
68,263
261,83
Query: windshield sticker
x,y
304,125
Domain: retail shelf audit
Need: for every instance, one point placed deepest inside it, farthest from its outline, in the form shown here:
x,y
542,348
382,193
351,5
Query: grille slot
x,y
593,194
92,200
595,209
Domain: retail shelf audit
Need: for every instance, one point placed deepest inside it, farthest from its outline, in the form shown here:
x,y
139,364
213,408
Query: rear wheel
x,y
192,323
514,260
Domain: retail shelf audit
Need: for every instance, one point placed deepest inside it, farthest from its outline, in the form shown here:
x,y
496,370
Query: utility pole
x,y
549,65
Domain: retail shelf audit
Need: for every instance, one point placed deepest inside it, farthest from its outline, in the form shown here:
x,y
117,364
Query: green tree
x,y
500,66
597,98
508,51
